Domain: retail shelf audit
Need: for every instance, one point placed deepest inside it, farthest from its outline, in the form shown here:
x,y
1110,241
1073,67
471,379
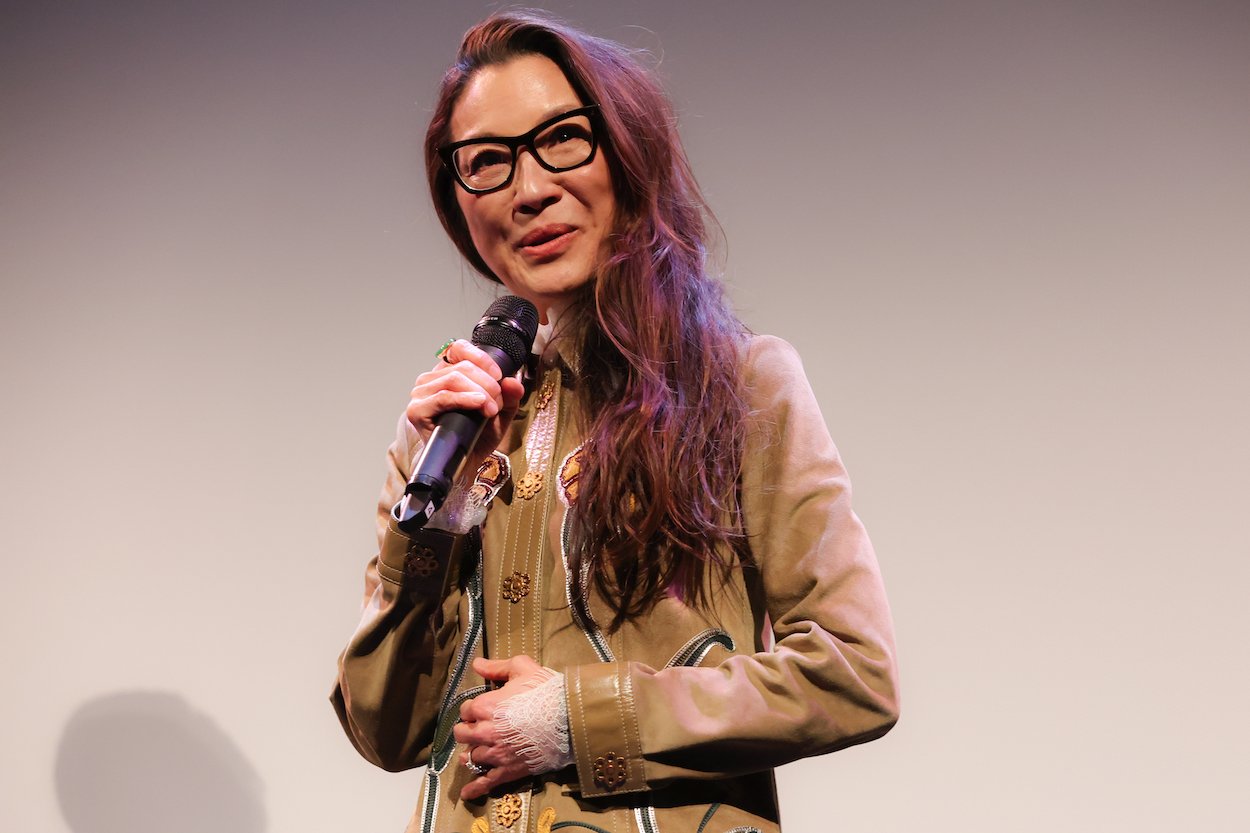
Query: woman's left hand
x,y
478,731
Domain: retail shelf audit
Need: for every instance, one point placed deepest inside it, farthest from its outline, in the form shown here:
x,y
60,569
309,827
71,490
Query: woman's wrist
x,y
535,724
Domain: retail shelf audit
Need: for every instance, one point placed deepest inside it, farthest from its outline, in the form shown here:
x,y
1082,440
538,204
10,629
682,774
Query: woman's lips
x,y
547,242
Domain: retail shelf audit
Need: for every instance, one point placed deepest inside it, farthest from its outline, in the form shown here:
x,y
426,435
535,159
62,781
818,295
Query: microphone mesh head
x,y
509,325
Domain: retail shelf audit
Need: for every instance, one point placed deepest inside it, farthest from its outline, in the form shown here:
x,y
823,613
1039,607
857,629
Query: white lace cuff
x,y
461,511
535,724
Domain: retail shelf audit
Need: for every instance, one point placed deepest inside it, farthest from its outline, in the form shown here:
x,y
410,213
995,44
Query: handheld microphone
x,y
506,333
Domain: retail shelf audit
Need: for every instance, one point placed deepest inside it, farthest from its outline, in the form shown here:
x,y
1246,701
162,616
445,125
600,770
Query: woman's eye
x,y
484,159
569,133
563,134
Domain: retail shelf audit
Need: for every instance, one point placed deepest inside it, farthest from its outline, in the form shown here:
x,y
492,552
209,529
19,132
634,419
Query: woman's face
x,y
544,233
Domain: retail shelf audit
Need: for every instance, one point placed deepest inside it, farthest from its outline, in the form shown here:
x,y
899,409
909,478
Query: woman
x,y
588,640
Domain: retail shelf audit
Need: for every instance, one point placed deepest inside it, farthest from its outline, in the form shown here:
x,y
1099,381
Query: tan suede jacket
x,y
678,718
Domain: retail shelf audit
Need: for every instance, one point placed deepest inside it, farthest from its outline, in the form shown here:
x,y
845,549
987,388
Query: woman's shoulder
x,y
771,365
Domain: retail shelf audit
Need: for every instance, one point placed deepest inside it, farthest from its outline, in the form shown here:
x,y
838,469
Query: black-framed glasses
x,y
561,143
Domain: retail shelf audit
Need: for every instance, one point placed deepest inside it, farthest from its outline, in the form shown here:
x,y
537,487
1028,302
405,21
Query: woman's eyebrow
x,y
550,113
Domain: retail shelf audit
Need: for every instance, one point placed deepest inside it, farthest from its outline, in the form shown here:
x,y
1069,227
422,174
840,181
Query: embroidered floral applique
x,y
508,810
529,485
515,587
609,771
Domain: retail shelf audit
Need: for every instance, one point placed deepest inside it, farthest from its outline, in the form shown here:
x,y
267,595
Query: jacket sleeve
x,y
393,672
830,679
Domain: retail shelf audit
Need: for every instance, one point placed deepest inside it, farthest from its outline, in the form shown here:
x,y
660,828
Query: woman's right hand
x,y
466,379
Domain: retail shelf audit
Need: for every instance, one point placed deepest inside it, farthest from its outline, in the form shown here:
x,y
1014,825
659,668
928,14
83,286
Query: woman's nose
x,y
534,186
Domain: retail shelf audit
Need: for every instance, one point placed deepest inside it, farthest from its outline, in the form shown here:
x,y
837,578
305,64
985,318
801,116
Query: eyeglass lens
x,y
565,144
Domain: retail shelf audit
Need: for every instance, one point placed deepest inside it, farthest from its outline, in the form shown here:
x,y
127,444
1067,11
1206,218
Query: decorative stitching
x,y
711,811
590,629
471,639
581,713
628,719
447,720
620,708
428,808
548,471
645,818
693,652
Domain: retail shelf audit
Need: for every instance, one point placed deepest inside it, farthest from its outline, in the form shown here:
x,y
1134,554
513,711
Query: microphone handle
x,y
455,433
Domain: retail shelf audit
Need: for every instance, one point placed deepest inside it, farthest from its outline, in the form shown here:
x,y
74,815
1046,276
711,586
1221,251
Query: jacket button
x,y
609,771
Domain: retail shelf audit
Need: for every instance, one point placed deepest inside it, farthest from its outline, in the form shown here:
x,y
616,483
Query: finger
x,y
459,376
478,709
422,413
495,757
504,669
512,391
476,732
454,392
493,669
463,733
476,719
466,351
484,784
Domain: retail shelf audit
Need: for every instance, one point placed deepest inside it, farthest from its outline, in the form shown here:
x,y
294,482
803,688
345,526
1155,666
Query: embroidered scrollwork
x,y
570,471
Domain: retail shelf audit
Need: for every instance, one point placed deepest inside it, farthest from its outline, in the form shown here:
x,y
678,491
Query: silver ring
x,y
475,768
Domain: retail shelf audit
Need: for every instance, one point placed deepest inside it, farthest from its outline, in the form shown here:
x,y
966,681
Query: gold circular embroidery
x,y
529,485
609,771
515,587
545,819
480,826
508,809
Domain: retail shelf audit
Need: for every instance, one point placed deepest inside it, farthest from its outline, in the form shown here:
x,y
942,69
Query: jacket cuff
x,y
603,723
426,562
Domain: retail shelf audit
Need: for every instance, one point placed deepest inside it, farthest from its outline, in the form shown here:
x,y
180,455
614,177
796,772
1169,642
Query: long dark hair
x,y
659,349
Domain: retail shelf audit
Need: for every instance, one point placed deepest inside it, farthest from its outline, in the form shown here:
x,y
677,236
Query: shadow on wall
x,y
146,762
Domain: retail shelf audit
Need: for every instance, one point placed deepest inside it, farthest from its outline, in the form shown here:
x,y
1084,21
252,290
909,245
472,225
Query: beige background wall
x,y
1011,240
